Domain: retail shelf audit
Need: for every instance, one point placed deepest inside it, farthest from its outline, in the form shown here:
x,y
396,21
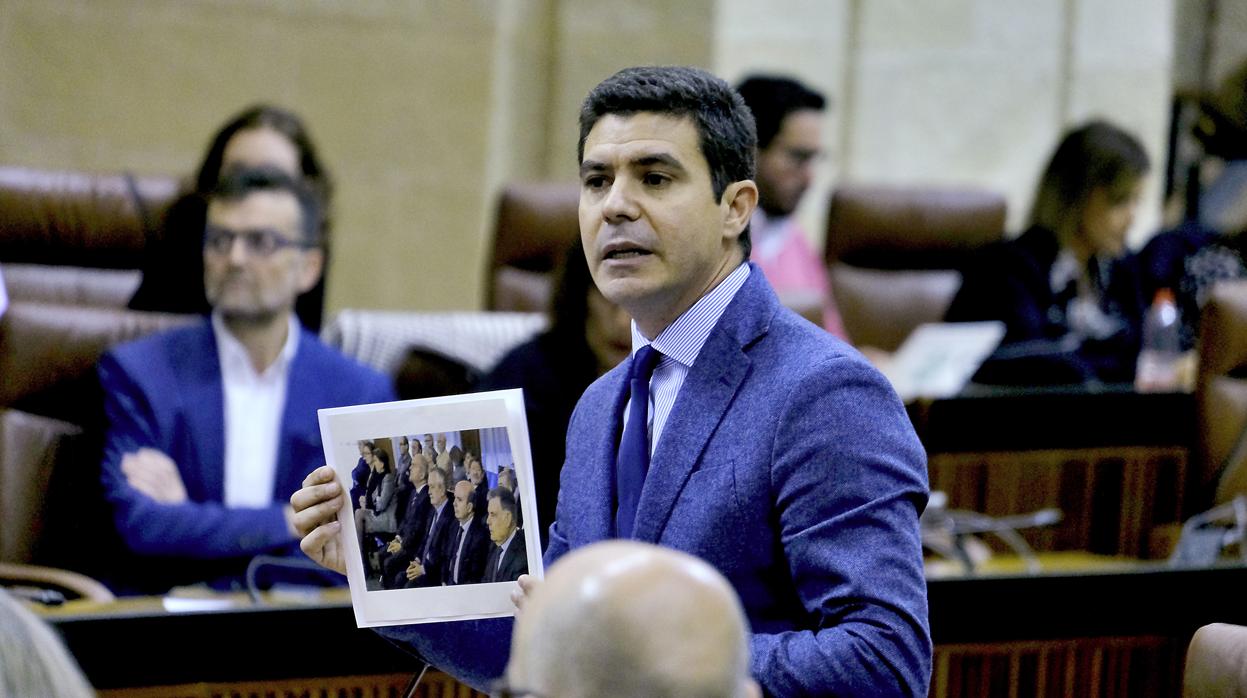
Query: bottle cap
x,y
1163,295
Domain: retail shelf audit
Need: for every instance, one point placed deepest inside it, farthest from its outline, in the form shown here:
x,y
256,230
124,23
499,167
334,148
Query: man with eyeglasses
x,y
211,427
789,117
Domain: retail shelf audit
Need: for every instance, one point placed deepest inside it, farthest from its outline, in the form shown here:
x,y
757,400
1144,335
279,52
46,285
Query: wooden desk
x,y
135,647
1112,460
1087,626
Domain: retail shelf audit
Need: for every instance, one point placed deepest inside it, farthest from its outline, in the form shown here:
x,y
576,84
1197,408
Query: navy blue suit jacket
x,y
475,549
165,392
817,479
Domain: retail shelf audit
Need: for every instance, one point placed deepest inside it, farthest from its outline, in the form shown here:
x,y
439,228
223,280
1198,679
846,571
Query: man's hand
x,y
527,585
415,571
154,474
395,545
315,518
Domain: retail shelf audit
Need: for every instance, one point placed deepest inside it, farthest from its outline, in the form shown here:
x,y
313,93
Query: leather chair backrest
x,y
1221,396
48,354
894,254
79,219
30,446
1216,662
536,224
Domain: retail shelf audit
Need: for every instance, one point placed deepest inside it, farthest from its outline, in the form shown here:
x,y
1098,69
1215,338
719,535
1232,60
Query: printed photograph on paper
x,y
442,519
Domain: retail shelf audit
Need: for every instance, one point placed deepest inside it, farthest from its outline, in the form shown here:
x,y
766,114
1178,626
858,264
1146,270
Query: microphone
x,y
948,531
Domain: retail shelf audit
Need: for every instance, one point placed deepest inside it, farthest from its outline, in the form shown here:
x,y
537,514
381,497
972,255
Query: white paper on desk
x,y
936,360
495,417
182,604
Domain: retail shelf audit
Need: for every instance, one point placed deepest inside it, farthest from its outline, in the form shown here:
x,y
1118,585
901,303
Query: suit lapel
x,y
198,368
705,397
491,563
596,509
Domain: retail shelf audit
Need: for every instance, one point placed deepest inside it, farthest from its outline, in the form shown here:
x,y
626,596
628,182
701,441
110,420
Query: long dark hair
x,y
284,122
1095,155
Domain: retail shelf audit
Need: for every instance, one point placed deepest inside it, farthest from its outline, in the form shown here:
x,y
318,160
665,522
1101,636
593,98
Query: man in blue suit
x,y
738,432
212,427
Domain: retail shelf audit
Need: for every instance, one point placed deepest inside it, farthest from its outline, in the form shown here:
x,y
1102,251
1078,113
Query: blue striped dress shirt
x,y
680,344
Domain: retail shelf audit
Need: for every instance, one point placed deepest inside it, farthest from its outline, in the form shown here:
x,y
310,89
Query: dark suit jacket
x,y
480,499
1009,281
475,549
415,521
359,480
165,392
434,551
514,562
818,479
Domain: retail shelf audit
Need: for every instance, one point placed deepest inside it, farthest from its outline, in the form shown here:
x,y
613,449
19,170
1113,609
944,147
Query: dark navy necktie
x,y
632,461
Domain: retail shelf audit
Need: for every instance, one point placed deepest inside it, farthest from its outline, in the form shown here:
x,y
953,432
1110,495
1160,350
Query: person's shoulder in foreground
x,y
589,630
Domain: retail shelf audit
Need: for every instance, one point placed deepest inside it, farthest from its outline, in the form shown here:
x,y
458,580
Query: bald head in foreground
x,y
590,630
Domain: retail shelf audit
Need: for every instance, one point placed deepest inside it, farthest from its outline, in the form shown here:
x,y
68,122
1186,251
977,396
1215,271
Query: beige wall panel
x,y
806,39
398,96
956,93
1229,47
1121,70
595,39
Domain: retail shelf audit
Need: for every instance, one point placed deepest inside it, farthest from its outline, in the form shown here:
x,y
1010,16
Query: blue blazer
x,y
790,465
165,392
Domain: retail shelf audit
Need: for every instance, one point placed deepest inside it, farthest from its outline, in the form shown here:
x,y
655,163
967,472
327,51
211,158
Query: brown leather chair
x,y
535,226
1220,469
77,237
1216,662
48,353
71,244
893,254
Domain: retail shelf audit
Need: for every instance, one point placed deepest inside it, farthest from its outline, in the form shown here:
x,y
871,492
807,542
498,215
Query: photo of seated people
x,y
438,509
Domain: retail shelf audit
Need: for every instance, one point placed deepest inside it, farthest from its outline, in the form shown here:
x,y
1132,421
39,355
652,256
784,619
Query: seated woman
x,y
259,136
375,518
1066,289
588,336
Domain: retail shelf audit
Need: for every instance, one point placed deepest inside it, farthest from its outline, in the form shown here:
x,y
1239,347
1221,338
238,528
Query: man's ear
x,y
738,202
313,267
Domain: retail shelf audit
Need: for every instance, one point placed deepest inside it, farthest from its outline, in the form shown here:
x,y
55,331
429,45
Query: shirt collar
x,y
510,538
684,338
234,355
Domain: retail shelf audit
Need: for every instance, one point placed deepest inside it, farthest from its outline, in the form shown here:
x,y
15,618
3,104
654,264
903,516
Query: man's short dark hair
x,y
506,501
772,99
723,122
237,183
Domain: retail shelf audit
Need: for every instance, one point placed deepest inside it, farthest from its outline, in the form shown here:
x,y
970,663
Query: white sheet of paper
x,y
936,360
341,430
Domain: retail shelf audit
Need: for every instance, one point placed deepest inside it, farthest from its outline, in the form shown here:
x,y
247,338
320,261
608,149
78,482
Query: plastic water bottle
x,y
1158,369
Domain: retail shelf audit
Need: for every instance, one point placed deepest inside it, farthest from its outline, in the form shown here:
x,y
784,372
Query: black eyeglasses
x,y
261,242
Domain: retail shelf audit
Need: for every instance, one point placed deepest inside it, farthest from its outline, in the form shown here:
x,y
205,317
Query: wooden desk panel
x,y
1087,667
435,684
1112,498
